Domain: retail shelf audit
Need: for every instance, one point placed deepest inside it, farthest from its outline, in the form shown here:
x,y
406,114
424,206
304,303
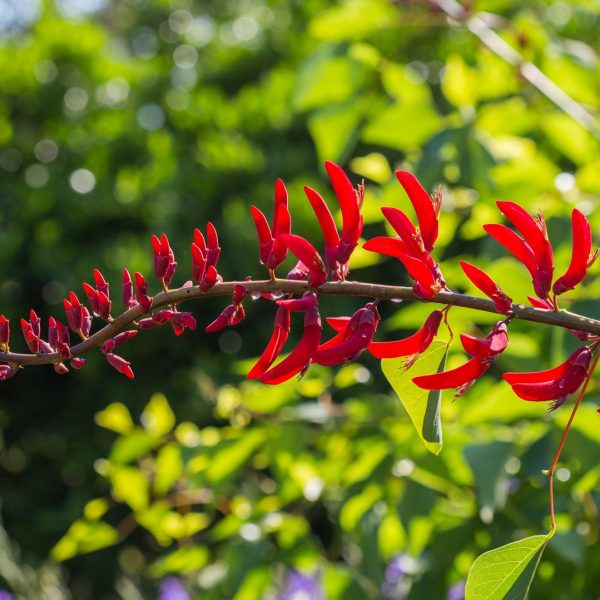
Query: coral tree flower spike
x,y
298,361
488,286
426,209
554,384
582,256
411,346
484,352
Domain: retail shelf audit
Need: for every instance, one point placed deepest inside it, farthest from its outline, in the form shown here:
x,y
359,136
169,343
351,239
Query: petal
x,y
424,207
414,344
533,231
487,285
514,244
324,216
280,201
582,256
306,252
405,229
346,195
299,359
386,245
454,378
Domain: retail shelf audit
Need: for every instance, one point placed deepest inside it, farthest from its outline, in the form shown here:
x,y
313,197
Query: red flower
x,y
127,290
533,249
31,332
426,208
413,246
411,346
338,249
271,249
299,359
488,286
157,319
75,313
582,256
554,384
141,292
307,301
120,364
352,341
281,330
6,372
484,352
98,297
4,333
182,321
119,339
231,314
164,259
205,255
308,255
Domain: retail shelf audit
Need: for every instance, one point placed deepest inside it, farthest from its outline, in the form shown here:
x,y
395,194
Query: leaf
x,y
505,573
84,536
487,461
333,129
158,418
184,560
115,417
132,446
423,407
130,486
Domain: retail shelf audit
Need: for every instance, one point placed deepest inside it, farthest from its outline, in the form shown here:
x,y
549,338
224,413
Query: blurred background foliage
x,y
119,119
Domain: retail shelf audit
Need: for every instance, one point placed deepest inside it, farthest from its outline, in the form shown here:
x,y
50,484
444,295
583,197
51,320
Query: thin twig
x,y
563,439
286,286
527,70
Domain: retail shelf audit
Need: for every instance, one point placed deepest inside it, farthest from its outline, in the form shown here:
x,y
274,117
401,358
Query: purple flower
x,y
4,595
299,586
398,578
171,588
456,591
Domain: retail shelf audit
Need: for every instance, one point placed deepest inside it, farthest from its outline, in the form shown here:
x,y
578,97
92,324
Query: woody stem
x,y
563,439
287,286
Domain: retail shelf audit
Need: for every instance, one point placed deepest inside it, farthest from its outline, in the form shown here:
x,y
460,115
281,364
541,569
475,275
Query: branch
x,y
527,70
560,318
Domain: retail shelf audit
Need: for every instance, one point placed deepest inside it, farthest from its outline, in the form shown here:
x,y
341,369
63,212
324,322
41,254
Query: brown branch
x,y
560,318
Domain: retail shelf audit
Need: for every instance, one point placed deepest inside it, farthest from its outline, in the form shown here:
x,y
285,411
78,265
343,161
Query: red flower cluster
x,y
412,246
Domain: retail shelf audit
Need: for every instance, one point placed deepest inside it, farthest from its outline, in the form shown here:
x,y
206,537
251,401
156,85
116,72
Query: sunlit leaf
x,y
158,418
505,573
422,406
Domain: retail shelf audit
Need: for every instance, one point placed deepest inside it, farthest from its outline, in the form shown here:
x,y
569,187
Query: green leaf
x,y
132,446
334,129
158,418
183,560
84,536
505,573
130,486
169,468
115,417
487,461
423,407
